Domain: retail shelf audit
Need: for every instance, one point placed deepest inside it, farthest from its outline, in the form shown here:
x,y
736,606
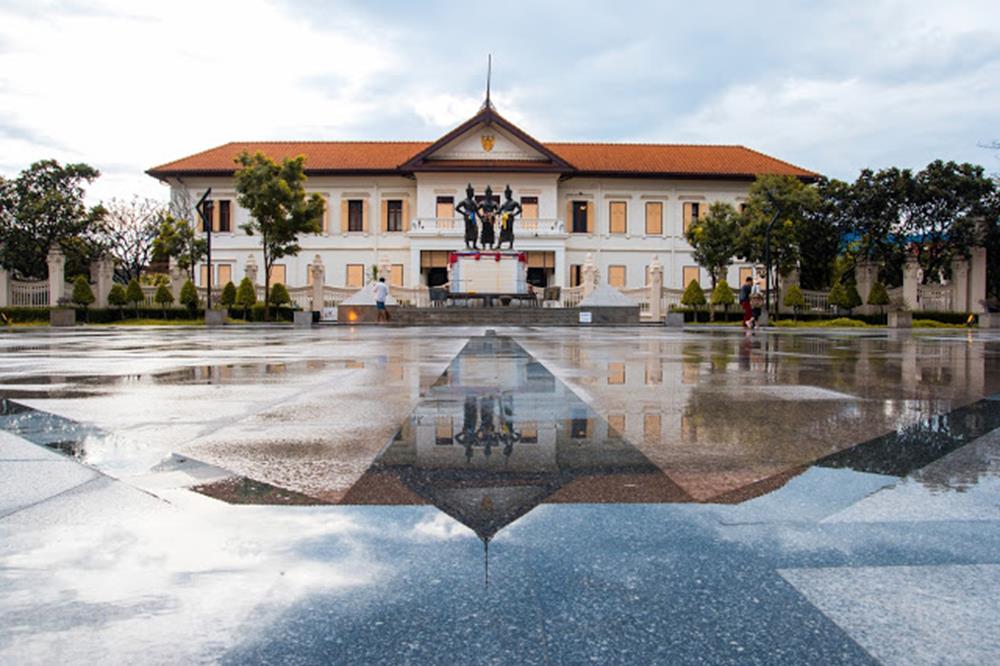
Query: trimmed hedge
x,y
26,315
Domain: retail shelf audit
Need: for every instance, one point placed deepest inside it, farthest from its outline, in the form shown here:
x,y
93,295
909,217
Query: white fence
x,y
34,294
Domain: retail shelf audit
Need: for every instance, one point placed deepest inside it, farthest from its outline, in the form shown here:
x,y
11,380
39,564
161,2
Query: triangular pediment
x,y
487,141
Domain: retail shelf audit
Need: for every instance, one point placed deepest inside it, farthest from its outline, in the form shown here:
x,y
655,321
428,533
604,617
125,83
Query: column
x,y
977,280
960,284
588,275
911,283
655,288
318,282
102,273
560,267
57,276
865,275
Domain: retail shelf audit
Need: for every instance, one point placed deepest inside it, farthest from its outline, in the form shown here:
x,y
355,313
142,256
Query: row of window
x,y
354,277
395,214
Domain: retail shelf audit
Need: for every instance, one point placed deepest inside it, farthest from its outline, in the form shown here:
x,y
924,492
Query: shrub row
x,y
112,315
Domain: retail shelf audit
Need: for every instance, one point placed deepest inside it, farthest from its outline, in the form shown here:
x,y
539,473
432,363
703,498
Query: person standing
x,y
745,301
756,302
381,293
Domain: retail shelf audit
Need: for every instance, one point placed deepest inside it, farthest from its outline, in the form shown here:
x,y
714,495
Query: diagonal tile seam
x,y
52,497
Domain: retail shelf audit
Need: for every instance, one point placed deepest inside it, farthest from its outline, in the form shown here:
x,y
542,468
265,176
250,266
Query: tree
x,y
878,295
117,298
878,207
838,296
189,295
713,239
228,297
790,202
42,207
279,209
128,233
134,295
83,295
822,235
246,295
947,204
852,297
722,295
794,299
279,295
693,296
164,298
177,239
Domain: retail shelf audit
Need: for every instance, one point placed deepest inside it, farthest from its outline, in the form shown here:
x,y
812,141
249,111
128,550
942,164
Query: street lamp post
x,y
202,207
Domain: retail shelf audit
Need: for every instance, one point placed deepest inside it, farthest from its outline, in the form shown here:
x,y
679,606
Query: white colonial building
x,y
391,204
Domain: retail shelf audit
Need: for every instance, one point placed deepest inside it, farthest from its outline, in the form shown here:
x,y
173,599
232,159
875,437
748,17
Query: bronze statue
x,y
508,211
487,213
467,209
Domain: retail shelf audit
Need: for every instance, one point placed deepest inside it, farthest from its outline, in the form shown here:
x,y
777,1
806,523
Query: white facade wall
x,y
633,249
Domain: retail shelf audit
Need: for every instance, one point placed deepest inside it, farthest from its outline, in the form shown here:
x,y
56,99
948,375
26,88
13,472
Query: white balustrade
x,y
29,294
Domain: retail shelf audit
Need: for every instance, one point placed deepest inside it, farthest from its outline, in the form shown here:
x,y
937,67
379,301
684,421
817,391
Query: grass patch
x,y
931,323
839,322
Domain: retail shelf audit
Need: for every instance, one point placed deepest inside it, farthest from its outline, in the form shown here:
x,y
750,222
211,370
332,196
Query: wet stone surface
x,y
534,496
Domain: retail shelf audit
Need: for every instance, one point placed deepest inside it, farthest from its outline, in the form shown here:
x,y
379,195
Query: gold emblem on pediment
x,y
488,141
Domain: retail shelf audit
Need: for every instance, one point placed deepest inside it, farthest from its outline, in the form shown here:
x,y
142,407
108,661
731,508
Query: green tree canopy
x,y
279,209
246,295
44,206
82,293
177,239
794,298
133,293
279,295
713,239
228,297
723,294
116,296
163,297
878,295
838,296
693,295
189,295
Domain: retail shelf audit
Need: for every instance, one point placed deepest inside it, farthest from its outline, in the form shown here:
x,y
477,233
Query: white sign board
x,y
586,318
328,314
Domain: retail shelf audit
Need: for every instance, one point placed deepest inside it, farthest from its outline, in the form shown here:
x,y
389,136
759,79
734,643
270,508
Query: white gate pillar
x,y
250,270
960,285
655,288
318,282
102,273
588,275
57,275
911,283
977,280
4,287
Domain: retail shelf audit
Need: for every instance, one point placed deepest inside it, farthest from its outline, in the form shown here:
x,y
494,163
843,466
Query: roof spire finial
x,y
489,74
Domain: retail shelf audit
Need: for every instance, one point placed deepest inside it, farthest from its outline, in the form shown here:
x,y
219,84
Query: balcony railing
x,y
448,226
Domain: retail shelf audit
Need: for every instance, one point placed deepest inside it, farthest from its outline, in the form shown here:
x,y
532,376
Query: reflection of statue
x,y
487,212
467,209
508,211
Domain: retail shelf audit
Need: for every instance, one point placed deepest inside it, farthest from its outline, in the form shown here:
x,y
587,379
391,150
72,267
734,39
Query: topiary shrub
x,y
794,299
853,297
693,296
189,296
722,295
279,295
228,297
838,296
83,295
164,298
246,296
879,296
134,295
117,299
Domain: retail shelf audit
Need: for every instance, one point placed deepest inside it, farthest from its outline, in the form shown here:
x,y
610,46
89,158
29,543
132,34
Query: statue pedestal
x,y
488,272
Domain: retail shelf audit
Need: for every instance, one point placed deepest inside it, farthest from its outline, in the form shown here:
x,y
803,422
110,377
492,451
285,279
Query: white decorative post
x,y
318,282
588,275
977,280
865,274
960,285
655,288
57,275
177,279
250,271
911,283
4,287
102,273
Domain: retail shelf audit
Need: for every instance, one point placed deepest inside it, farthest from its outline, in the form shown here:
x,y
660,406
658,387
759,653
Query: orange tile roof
x,y
623,159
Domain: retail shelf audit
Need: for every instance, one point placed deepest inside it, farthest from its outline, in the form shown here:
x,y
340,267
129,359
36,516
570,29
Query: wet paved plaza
x,y
391,495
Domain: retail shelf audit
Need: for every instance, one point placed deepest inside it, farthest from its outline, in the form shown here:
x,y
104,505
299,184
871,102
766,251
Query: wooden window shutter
x,y
364,215
569,215
216,206
344,209
654,218
326,213
406,215
617,211
591,218
384,206
688,215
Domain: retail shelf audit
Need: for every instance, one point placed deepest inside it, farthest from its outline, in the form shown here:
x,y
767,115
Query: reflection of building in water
x,y
498,434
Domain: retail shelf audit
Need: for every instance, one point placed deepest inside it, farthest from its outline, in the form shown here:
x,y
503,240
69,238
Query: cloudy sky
x,y
126,85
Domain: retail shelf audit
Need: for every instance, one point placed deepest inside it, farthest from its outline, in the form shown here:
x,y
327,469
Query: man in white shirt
x,y
381,293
